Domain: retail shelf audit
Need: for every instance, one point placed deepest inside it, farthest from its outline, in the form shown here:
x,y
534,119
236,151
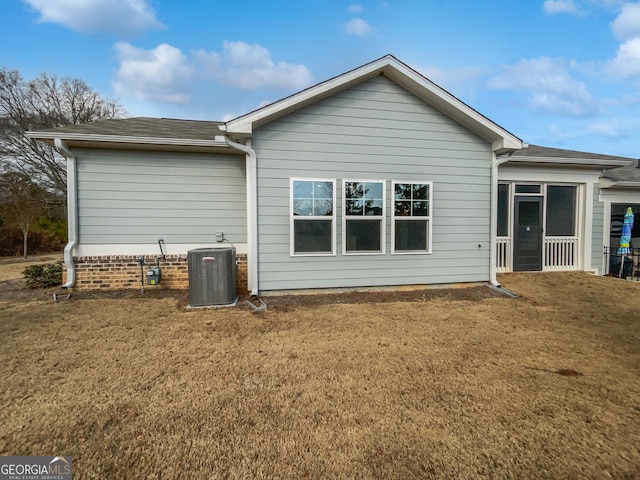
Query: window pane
x,y
302,189
353,190
617,219
323,207
363,235
373,191
527,188
561,207
312,236
503,210
420,191
323,190
420,209
528,214
402,191
302,206
402,209
373,207
411,235
354,207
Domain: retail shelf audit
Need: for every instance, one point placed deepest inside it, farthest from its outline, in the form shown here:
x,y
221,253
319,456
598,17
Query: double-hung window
x,y
313,217
411,217
363,219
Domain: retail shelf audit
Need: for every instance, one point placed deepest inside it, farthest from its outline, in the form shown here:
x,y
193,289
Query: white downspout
x,y
493,255
72,212
252,209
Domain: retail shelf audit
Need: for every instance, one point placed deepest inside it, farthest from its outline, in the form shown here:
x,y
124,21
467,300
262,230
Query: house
x,y
620,189
376,177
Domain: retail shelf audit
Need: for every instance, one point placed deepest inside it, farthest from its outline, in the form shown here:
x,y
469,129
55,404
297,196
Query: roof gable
x,y
389,66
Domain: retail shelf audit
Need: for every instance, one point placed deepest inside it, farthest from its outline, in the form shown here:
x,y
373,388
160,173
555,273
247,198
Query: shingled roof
x,y
625,176
145,127
560,155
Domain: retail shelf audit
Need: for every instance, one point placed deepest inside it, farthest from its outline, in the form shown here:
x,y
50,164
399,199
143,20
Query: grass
x,y
12,267
448,386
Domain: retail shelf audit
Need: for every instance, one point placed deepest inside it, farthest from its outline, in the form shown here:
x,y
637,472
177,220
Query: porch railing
x,y
622,266
503,257
560,253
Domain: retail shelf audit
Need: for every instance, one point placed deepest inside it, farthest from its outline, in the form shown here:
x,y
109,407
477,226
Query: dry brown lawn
x,y
429,384
12,267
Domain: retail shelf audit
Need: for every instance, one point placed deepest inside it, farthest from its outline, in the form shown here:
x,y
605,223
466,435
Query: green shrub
x,y
43,275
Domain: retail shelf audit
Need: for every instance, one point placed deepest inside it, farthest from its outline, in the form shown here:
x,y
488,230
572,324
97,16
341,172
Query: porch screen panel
x,y
503,210
561,211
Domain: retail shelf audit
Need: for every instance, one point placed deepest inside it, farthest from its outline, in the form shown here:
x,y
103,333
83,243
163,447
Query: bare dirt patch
x,y
445,384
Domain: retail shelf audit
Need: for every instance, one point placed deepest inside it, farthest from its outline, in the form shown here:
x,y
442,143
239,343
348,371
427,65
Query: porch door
x,y
527,245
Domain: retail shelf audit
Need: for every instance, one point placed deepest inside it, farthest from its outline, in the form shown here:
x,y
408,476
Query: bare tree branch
x,y
45,102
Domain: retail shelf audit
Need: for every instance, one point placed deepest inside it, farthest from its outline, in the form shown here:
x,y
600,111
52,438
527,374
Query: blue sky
x,y
560,73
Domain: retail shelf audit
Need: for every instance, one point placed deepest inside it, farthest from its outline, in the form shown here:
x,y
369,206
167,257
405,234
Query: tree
x,y
21,202
45,102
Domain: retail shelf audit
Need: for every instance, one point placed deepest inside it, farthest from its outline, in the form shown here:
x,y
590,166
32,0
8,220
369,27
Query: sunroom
x,y
547,209
540,226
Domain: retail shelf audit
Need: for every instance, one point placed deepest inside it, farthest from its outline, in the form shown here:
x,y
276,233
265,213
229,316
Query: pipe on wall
x,y
252,211
72,211
493,269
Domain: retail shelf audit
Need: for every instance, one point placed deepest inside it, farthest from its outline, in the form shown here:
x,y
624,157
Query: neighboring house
x,y
377,177
620,189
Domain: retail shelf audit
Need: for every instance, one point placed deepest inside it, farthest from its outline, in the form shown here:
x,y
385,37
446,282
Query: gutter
x,y
252,208
94,137
497,161
72,211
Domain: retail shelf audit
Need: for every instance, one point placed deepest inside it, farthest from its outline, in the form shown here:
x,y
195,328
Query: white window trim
x,y
429,219
382,218
332,218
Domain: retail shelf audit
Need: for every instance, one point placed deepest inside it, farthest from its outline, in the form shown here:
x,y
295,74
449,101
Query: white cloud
x,y
116,17
250,66
626,64
355,9
165,74
159,74
627,24
549,86
608,129
553,7
358,27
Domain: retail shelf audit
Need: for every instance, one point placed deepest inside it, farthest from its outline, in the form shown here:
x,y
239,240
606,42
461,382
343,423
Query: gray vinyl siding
x,y
375,131
597,231
129,197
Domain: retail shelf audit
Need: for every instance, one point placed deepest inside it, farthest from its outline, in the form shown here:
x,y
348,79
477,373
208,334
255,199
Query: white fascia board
x,y
501,139
400,73
93,137
577,162
620,184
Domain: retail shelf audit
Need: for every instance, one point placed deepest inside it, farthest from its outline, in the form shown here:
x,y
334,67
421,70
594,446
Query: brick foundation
x,y
123,271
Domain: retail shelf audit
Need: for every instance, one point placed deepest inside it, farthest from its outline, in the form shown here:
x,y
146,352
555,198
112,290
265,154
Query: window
x,y
561,211
503,210
411,221
363,220
312,217
525,188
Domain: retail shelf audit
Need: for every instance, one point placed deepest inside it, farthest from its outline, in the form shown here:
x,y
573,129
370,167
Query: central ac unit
x,y
212,276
